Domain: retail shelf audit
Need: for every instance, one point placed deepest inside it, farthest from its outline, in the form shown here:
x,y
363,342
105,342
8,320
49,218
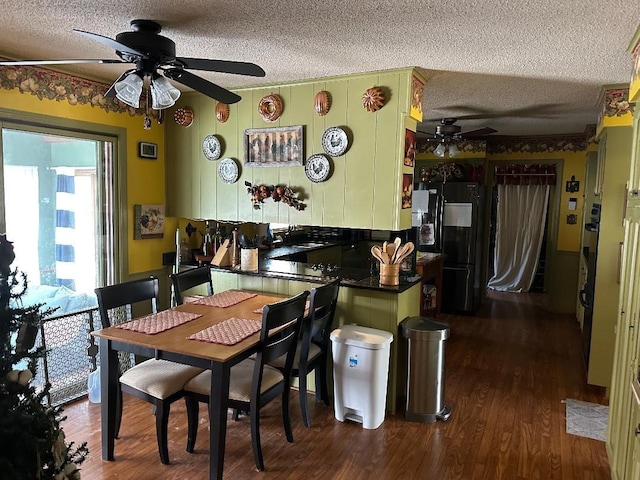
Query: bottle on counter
x,y
235,251
217,238
185,251
208,245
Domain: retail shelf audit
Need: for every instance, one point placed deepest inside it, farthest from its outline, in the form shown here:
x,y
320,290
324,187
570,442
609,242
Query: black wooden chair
x,y
159,382
253,383
313,347
188,279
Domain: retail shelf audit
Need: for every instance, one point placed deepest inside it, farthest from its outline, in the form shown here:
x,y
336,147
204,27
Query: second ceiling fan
x,y
447,133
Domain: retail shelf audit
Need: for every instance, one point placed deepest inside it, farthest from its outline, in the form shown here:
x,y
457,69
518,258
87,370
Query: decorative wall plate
x,y
317,168
228,170
211,147
335,141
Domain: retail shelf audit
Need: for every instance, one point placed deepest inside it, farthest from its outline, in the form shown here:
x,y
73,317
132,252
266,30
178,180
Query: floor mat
x,y
587,419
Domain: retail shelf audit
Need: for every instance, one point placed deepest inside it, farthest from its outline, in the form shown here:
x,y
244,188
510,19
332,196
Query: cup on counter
x,y
249,259
389,274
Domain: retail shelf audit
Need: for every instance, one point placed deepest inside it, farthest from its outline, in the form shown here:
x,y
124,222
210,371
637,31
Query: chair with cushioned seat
x,y
313,347
188,279
159,382
252,382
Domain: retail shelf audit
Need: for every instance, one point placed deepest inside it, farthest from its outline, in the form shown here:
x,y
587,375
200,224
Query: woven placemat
x,y
159,322
228,332
192,298
225,299
306,309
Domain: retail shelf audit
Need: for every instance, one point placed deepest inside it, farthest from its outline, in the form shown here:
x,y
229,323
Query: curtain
x,y
65,227
521,217
22,215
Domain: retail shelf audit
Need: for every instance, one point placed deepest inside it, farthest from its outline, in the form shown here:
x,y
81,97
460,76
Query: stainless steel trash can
x,y
425,369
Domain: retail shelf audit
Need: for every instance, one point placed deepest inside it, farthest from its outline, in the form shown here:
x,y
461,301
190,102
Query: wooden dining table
x,y
174,345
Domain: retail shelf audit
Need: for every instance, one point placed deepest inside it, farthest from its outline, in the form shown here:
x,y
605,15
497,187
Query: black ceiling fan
x,y
154,54
447,130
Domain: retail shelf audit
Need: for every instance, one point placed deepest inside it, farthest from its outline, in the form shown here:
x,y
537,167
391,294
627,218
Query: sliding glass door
x,y
58,206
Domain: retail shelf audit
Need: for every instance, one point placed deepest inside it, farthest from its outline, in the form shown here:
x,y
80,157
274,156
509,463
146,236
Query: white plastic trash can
x,y
93,384
360,374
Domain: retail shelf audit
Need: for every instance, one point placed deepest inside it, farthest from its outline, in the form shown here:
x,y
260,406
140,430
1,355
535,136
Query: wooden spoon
x,y
407,250
398,253
391,251
377,253
397,243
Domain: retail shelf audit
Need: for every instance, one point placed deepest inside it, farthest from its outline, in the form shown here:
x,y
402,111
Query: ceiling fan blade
x,y
55,62
203,86
425,135
111,93
224,66
480,132
110,42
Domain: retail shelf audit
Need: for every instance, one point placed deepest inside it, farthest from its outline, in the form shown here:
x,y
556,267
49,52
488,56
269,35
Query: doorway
x,y
532,186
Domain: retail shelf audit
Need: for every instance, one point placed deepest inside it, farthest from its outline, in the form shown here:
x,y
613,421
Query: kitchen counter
x,y
320,261
351,277
280,263
362,302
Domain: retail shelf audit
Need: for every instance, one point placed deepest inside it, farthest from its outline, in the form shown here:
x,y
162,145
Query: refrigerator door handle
x,y
439,223
458,269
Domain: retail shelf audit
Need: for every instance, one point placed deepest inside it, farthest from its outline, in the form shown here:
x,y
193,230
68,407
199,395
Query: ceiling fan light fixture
x,y
163,94
440,150
453,150
129,89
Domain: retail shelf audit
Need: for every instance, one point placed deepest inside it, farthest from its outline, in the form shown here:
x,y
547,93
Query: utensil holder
x,y
389,274
249,259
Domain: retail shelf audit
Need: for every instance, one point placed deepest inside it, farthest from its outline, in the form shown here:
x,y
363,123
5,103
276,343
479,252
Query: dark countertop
x,y
302,247
280,262
303,272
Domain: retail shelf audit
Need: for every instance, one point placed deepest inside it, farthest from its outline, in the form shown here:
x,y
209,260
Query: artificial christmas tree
x,y
32,443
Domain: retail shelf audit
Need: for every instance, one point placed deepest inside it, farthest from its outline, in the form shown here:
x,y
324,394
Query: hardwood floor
x,y
507,371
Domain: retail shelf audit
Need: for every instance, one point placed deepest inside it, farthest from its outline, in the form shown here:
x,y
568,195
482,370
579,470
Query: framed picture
x,y
148,221
274,147
407,190
409,148
417,94
148,150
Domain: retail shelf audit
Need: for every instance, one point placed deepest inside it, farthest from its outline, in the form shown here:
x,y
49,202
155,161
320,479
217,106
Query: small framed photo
x,y
148,150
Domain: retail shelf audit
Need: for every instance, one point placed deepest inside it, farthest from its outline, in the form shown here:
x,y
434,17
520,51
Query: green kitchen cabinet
x,y
365,186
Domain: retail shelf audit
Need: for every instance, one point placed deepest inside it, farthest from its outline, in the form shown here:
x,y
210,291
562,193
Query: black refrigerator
x,y
447,219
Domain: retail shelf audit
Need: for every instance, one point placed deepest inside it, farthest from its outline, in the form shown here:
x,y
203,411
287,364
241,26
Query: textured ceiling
x,y
523,67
